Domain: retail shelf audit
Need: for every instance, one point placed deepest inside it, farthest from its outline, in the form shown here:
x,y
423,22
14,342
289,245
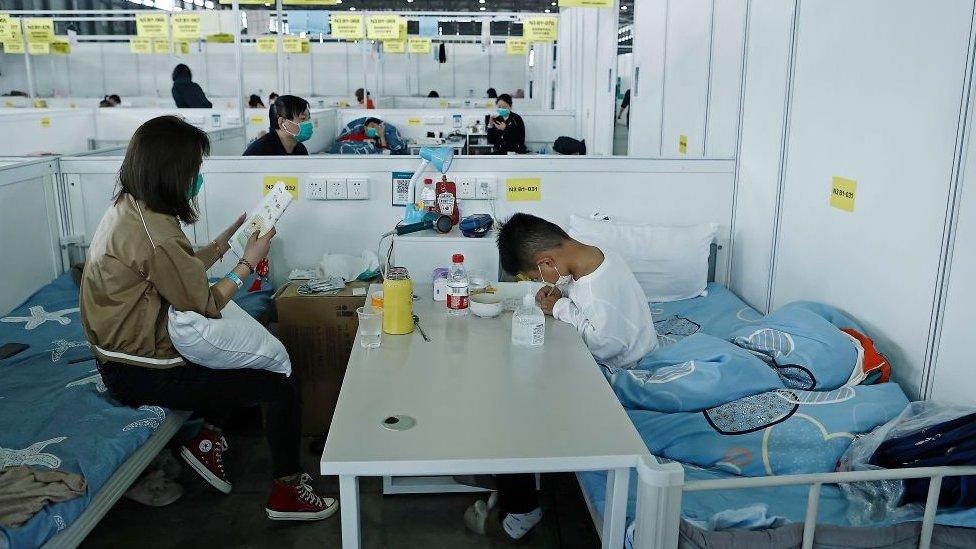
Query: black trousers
x,y
214,393
516,493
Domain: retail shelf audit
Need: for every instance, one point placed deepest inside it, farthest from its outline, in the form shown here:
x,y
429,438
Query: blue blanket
x,y
394,142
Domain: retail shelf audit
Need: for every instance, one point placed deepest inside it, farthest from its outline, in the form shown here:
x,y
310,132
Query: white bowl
x,y
486,305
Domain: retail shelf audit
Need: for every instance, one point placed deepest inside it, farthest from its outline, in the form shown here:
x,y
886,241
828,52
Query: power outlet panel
x,y
357,188
466,187
336,189
486,188
315,188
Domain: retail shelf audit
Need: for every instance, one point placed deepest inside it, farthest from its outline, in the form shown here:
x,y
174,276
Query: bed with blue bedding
x,y
56,413
731,392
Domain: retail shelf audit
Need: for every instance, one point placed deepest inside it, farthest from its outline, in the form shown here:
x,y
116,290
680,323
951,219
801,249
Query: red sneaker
x,y
205,455
298,502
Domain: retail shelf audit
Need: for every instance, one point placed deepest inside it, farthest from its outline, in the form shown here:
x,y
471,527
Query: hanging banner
x,y
291,44
6,22
585,3
38,48
394,46
347,27
152,25
186,26
39,31
266,44
140,46
540,29
383,27
161,47
419,45
61,45
516,46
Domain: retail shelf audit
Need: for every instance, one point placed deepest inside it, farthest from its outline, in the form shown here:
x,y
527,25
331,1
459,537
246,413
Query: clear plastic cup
x,y
370,327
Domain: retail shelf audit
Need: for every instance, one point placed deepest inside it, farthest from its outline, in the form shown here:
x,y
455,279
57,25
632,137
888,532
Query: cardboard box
x,y
318,331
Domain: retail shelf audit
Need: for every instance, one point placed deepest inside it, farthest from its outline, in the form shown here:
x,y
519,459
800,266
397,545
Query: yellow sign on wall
x,y
161,47
383,27
403,30
683,144
347,27
186,26
140,46
13,47
413,121
540,29
291,44
182,47
842,193
291,184
585,3
38,48
5,23
266,44
60,46
39,31
419,45
45,122
527,189
394,46
257,120
516,46
152,25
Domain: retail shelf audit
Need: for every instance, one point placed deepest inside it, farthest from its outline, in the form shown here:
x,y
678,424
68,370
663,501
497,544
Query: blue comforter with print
x,y
55,412
394,142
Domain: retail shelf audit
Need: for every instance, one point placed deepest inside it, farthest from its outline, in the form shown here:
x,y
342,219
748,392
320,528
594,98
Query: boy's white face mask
x,y
561,280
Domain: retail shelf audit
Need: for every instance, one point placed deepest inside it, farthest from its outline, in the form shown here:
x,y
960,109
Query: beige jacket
x,y
139,263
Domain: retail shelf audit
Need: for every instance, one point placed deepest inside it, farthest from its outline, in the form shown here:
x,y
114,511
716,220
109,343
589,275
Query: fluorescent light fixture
x,y
482,8
623,8
209,5
352,8
547,10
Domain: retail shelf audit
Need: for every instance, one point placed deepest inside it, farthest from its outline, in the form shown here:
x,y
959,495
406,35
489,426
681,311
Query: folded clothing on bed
x,y
26,490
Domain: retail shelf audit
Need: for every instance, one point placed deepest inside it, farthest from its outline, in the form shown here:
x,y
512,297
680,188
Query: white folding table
x,y
481,406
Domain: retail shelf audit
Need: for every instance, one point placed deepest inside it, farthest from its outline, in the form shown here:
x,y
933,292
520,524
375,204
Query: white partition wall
x,y
28,209
45,131
660,191
687,77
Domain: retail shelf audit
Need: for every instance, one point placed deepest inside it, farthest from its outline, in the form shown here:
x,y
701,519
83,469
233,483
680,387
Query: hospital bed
x,y
671,501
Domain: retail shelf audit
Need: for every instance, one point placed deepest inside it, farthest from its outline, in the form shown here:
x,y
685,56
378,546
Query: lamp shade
x,y
440,157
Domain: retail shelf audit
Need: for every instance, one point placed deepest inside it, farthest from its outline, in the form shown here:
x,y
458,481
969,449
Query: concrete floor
x,y
206,518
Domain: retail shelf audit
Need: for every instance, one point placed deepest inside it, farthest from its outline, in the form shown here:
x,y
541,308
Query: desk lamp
x,y
441,158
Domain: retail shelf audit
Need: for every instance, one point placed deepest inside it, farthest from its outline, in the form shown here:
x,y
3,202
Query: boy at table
x,y
595,291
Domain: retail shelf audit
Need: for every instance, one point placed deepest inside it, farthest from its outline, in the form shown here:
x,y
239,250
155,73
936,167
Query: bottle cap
x,y
458,258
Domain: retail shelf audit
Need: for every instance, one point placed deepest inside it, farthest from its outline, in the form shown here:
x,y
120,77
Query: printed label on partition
x,y
292,44
394,46
683,144
152,25
419,45
161,46
186,26
291,184
6,33
413,121
842,193
516,46
140,46
13,47
348,27
383,27
61,46
401,188
257,120
39,31
38,48
45,122
540,29
266,44
527,189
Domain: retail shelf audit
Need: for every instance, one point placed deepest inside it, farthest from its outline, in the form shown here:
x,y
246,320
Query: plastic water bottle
x,y
528,324
457,287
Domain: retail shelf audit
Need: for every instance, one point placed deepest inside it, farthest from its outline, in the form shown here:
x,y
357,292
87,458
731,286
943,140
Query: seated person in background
x,y
360,95
271,98
186,93
433,93
105,103
114,99
569,146
254,102
374,131
139,264
492,94
594,291
290,126
506,131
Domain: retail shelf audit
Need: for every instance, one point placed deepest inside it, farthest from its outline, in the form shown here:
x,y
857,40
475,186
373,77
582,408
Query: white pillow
x,y
670,263
233,342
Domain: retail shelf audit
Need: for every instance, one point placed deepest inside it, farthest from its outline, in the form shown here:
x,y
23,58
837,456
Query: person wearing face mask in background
x,y
596,292
290,127
506,130
374,131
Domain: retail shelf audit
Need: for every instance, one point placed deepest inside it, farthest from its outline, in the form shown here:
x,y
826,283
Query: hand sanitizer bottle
x,y
528,324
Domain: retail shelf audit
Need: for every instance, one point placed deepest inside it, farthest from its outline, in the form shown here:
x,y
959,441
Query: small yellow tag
x,y
291,184
257,120
45,122
683,144
527,189
842,193
413,121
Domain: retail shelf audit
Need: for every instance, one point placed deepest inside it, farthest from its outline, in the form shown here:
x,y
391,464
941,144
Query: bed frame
x,y
118,483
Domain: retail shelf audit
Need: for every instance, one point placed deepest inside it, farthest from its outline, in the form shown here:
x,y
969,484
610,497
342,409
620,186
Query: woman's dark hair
x,y
161,163
115,97
288,107
182,71
506,98
272,96
492,94
254,101
372,120
433,93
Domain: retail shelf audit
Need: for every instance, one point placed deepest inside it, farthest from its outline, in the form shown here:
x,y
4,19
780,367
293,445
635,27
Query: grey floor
x,y
207,518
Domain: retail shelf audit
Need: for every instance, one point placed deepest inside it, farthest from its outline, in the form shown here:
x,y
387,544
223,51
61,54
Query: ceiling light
x,y
482,8
552,4
547,10
209,5
623,8
352,8
481,1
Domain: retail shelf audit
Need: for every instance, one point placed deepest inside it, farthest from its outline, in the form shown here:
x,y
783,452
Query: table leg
x,y
349,500
615,510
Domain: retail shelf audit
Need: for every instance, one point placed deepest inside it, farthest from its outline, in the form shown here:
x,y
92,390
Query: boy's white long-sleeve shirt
x,y
609,309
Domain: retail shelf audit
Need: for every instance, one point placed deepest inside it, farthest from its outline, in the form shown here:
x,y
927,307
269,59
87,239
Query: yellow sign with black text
x,y
292,44
842,193
394,46
60,46
266,44
186,26
527,189
347,27
383,27
419,45
140,46
683,144
38,48
291,184
39,31
540,29
6,33
161,47
516,46
152,25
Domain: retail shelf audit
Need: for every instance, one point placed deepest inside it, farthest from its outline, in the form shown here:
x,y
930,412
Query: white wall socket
x,y
336,189
315,188
466,187
357,188
486,188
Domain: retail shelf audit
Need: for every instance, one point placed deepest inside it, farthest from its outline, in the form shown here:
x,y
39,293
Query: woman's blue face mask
x,y
371,132
504,112
195,187
304,131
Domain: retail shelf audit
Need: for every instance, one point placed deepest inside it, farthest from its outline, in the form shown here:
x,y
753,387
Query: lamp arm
x,y
416,177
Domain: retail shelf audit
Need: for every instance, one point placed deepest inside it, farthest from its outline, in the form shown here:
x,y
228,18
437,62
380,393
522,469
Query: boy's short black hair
x,y
523,237
161,162
288,107
506,98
